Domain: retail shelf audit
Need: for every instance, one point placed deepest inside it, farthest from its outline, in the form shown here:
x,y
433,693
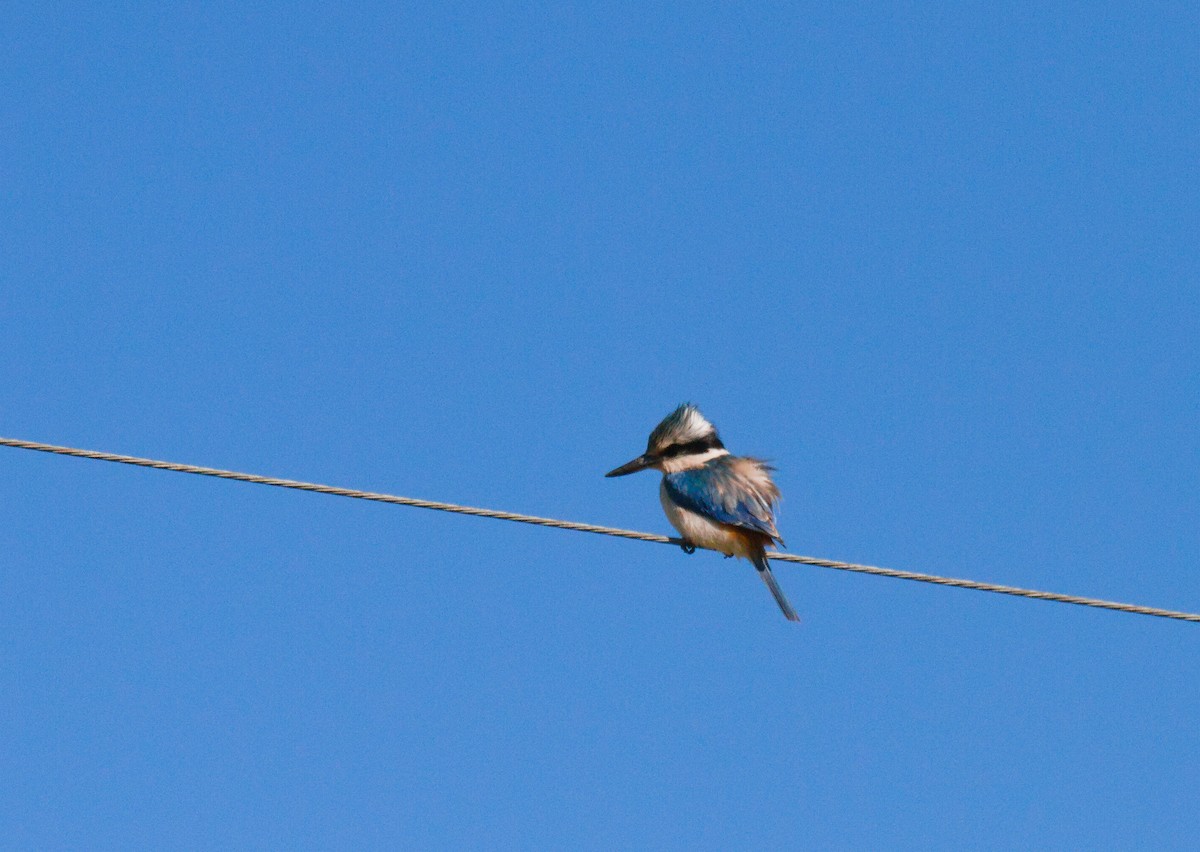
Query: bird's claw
x,y
687,547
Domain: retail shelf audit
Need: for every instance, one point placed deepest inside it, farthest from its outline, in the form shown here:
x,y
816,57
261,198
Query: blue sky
x,y
937,261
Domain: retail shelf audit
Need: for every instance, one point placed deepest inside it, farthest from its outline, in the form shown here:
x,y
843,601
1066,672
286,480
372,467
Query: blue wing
x,y
713,491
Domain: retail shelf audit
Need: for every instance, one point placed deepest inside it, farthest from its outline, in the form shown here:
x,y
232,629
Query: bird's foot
x,y
687,547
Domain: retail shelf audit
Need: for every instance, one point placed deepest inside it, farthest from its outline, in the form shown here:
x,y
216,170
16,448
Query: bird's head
x,y
684,439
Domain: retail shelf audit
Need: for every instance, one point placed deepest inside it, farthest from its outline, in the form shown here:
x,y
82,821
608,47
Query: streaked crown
x,y
684,431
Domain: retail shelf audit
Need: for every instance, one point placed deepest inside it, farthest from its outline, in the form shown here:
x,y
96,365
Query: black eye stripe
x,y
702,445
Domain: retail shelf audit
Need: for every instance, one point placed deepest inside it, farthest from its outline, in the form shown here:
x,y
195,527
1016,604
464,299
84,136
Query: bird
x,y
715,500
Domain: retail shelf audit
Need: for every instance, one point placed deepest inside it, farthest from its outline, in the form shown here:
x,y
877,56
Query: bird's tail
x,y
764,570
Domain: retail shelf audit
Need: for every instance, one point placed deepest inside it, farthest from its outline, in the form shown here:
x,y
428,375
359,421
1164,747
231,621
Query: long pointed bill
x,y
640,463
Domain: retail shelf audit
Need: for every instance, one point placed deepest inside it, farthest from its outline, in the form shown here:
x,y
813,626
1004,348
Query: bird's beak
x,y
640,463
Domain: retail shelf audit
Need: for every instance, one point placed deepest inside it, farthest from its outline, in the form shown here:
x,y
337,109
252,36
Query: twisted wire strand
x,y
591,528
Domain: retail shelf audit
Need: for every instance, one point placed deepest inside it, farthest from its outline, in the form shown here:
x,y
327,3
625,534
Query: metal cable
x,y
591,528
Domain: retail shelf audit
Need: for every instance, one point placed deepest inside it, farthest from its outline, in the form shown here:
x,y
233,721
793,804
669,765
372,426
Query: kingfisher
x,y
716,500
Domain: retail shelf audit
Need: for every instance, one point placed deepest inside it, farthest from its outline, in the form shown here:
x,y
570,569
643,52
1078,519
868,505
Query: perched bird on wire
x,y
716,500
